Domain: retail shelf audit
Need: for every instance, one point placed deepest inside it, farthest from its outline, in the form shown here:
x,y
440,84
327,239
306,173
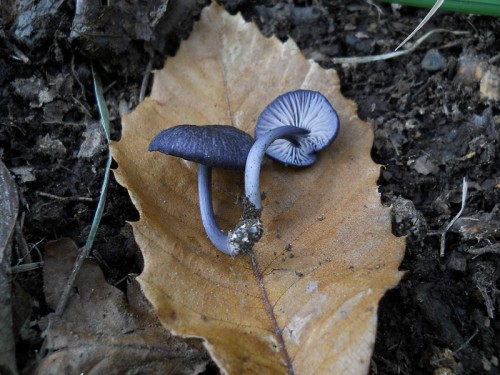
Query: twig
x,y
59,198
450,224
26,267
460,348
108,87
18,54
129,276
391,55
75,76
22,245
494,249
494,59
84,251
145,78
82,106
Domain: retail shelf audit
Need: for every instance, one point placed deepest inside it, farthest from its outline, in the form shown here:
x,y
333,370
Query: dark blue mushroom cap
x,y
219,146
305,109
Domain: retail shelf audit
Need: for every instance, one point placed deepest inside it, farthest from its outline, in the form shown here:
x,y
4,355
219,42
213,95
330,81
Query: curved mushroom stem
x,y
218,238
237,241
249,229
254,159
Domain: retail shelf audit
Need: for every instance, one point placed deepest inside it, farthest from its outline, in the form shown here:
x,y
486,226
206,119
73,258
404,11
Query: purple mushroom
x,y
219,146
291,130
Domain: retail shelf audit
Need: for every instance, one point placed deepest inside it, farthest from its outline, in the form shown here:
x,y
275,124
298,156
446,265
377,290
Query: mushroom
x,y
219,146
291,129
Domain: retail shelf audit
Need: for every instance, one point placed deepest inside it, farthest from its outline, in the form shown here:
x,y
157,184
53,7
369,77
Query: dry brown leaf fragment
x,y
9,207
313,306
103,332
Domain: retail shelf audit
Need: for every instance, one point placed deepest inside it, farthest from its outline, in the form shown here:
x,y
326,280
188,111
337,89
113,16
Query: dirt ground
x,y
436,123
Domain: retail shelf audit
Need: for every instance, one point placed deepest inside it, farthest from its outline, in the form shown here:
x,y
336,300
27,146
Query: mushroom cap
x,y
305,109
219,146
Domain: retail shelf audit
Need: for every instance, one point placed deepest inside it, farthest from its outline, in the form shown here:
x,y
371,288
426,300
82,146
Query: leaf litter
x,y
9,209
104,331
307,301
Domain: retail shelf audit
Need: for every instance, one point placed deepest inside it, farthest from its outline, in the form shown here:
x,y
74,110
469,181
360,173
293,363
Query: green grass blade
x,y
104,114
101,103
84,251
483,7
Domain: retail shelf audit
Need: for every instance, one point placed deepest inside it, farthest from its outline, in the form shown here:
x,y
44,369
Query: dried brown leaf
x,y
9,207
102,331
324,291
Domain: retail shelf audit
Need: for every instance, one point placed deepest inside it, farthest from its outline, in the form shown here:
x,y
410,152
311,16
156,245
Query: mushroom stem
x,y
218,238
254,159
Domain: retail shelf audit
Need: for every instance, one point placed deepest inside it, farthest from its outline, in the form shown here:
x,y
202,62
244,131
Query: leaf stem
x,y
269,308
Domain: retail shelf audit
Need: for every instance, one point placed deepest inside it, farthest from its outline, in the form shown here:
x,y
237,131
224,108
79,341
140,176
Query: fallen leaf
x,y
102,331
309,303
9,207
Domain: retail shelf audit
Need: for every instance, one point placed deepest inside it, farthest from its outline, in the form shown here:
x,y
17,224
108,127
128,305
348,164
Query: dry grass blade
x,y
306,302
391,55
427,17
442,246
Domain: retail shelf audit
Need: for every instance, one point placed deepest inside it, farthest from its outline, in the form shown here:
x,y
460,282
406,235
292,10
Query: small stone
x,y
407,219
51,147
425,166
24,173
489,86
93,142
470,70
46,96
433,61
29,88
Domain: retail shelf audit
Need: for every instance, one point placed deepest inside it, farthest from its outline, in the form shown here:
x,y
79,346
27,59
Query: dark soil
x,y
432,129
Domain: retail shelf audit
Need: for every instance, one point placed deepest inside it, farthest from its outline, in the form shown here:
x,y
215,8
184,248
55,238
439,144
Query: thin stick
x,y
493,249
18,54
75,76
26,267
59,198
459,349
145,78
450,224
